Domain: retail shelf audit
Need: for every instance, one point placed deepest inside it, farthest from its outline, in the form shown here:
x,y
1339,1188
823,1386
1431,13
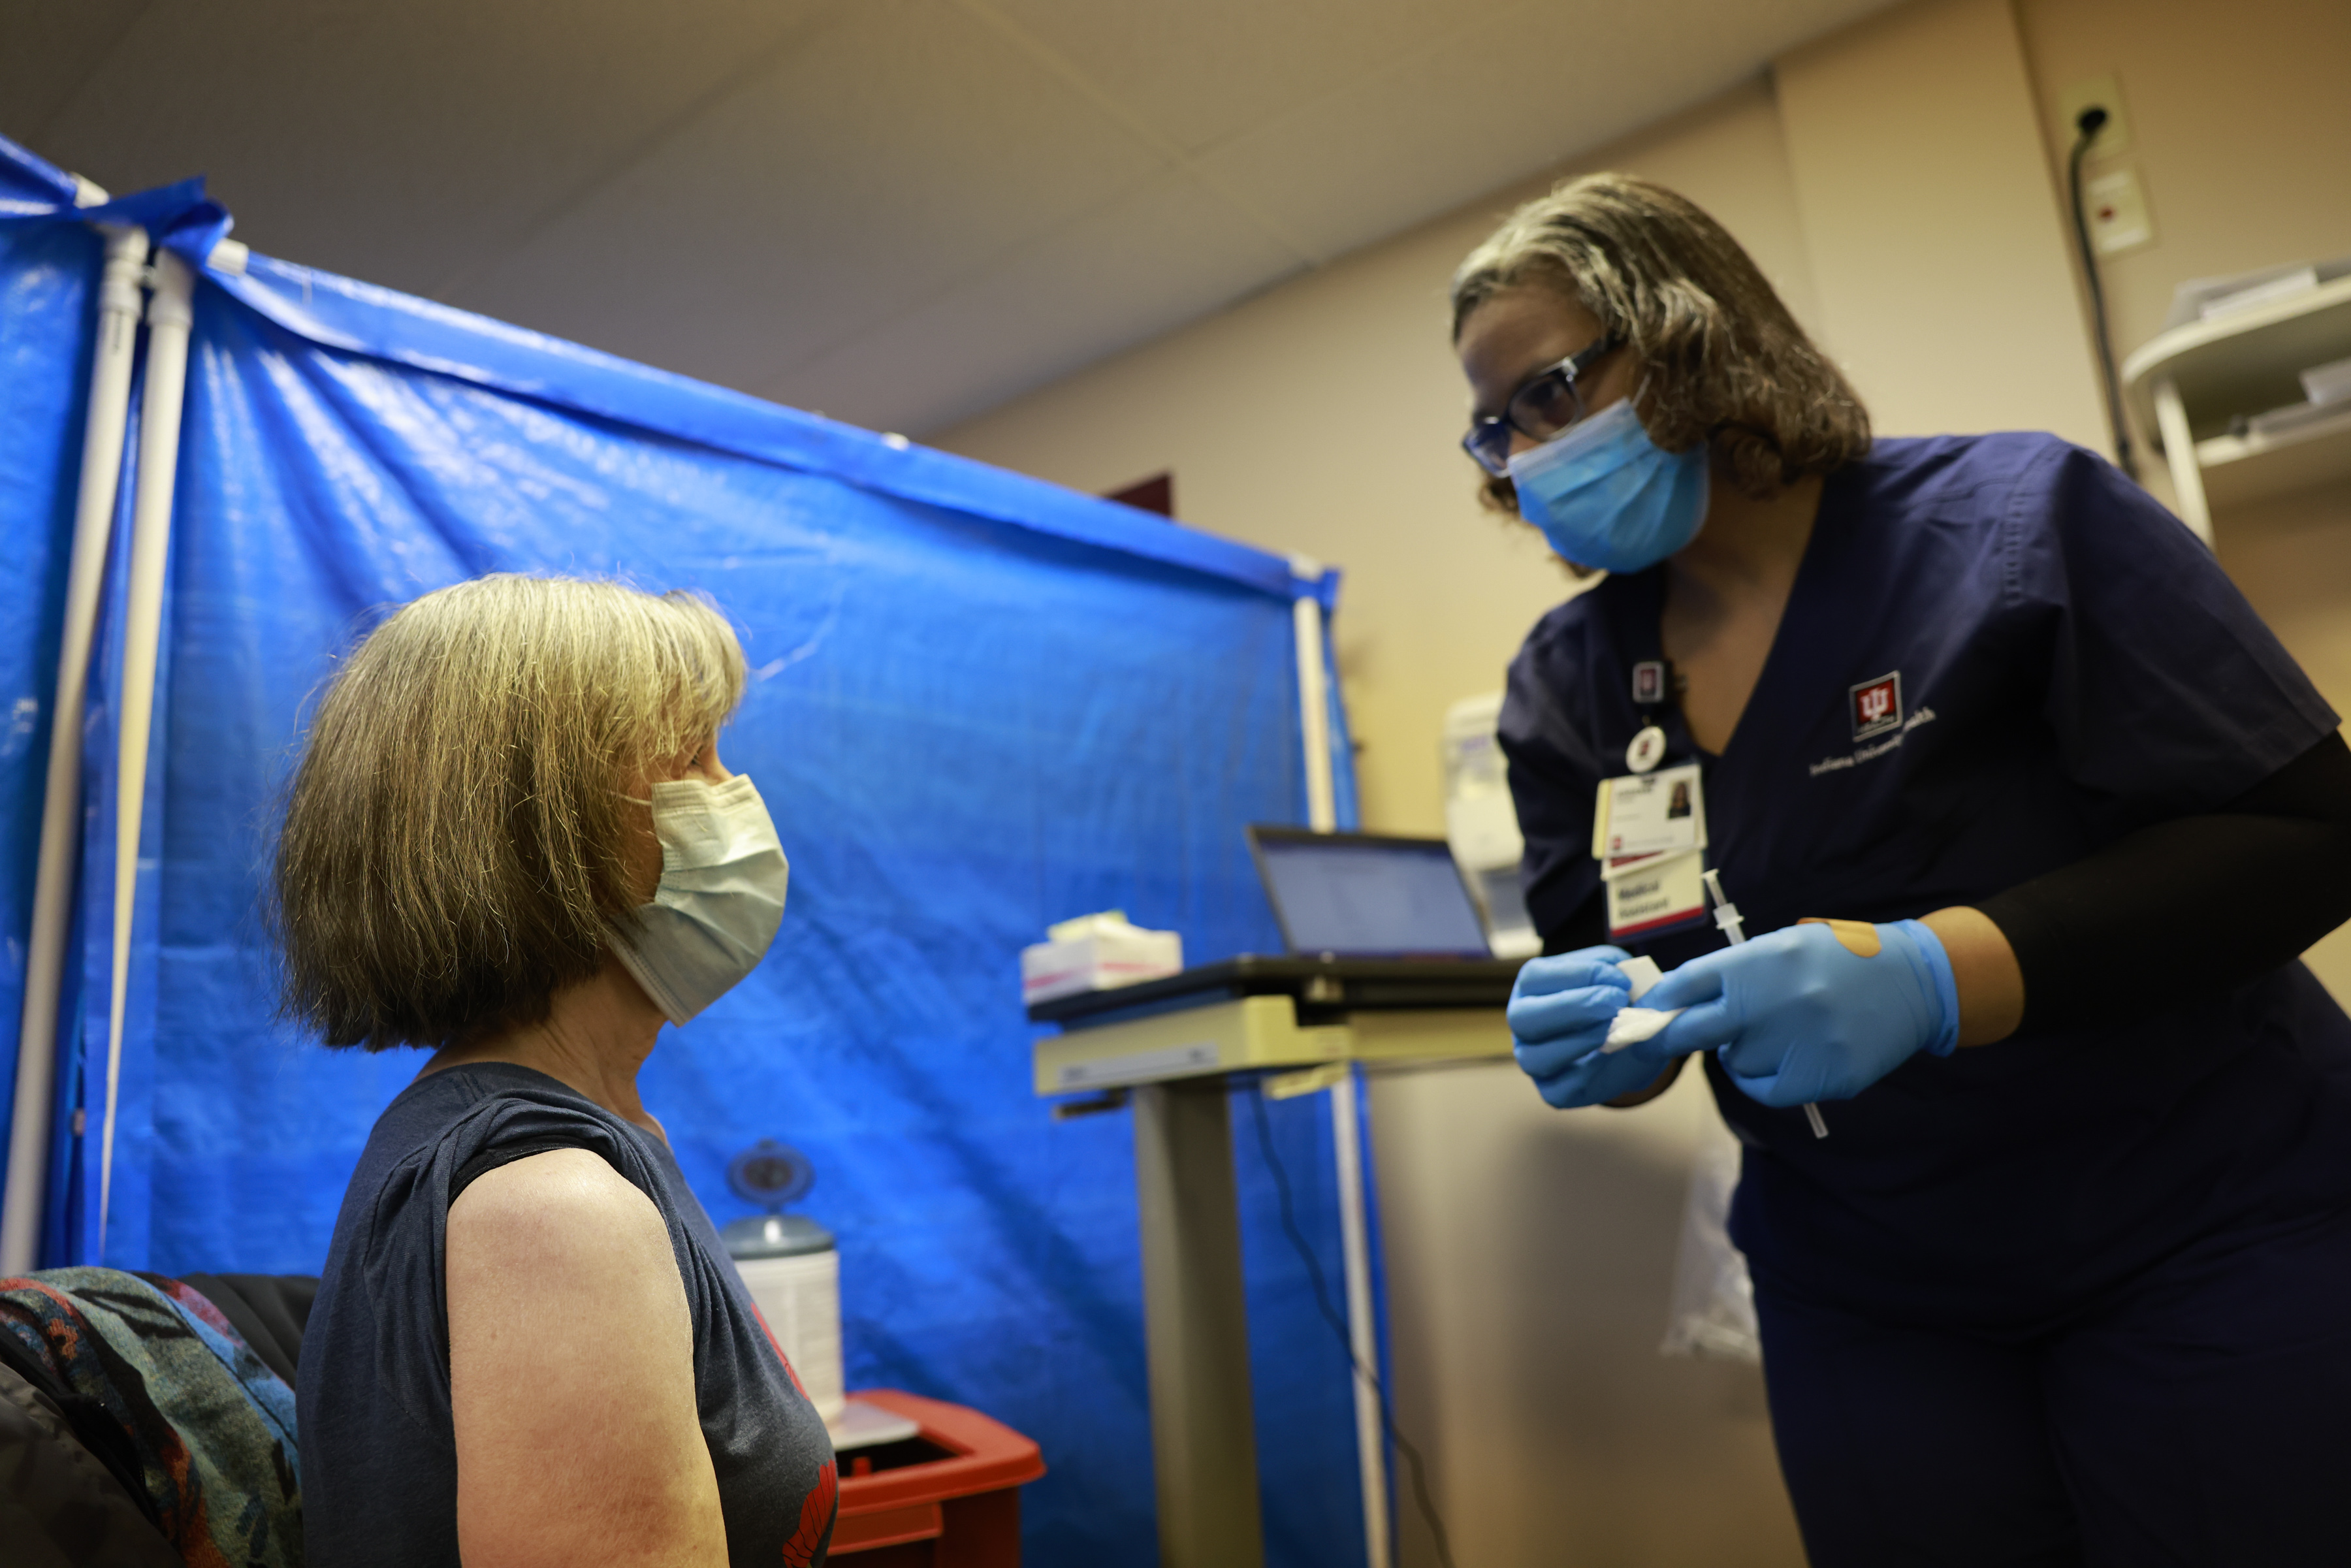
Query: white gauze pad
x,y
1634,1025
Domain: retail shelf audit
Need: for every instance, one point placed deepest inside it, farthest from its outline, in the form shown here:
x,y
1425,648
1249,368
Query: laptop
x,y
1365,895
1370,922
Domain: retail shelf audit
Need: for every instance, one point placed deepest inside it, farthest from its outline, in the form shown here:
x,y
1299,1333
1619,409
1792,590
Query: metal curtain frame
x,y
171,283
104,424
1346,1129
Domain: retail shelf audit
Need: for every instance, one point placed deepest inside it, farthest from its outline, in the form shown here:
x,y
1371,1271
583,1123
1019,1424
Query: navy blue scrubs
x,y
2084,1295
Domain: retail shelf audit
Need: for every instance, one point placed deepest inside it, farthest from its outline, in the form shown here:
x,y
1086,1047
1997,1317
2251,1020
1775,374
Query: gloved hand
x,y
1558,1016
1817,1012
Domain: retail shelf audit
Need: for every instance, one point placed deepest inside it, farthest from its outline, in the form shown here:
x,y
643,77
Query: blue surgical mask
x,y
1605,495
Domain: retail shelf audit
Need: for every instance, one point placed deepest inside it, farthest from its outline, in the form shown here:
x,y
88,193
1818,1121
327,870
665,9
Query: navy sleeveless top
x,y
379,1450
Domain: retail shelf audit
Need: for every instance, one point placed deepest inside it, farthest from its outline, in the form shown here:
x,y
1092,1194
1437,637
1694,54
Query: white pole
x,y
1346,1133
2180,451
1371,1449
1314,705
101,472
168,317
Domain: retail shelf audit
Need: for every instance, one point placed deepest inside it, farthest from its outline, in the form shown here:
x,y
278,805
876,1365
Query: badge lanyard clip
x,y
1648,825
1649,688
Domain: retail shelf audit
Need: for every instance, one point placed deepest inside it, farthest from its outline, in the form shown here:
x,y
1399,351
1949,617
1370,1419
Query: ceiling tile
x,y
1162,254
903,148
1206,70
898,209
47,52
399,143
1439,128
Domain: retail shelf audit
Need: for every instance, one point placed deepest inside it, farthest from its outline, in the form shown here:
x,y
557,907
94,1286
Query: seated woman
x,y
511,842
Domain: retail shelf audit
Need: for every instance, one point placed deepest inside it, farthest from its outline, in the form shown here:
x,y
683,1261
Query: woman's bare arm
x,y
1983,970
571,1376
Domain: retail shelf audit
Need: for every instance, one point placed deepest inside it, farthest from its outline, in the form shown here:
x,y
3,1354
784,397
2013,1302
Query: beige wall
x,y
2241,119
1528,1254
1937,244
1899,184
1530,1257
2293,558
2240,136
1322,417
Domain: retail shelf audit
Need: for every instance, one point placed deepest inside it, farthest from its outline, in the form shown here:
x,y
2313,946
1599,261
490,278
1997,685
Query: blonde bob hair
x,y
456,844
1724,361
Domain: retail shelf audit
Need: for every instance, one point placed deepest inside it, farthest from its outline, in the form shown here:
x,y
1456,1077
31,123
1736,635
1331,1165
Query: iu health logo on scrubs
x,y
1877,706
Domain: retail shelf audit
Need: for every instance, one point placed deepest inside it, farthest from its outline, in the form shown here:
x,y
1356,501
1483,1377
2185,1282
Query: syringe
x,y
1726,918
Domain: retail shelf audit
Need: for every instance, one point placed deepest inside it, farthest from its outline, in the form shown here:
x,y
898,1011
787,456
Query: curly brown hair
x,y
1725,362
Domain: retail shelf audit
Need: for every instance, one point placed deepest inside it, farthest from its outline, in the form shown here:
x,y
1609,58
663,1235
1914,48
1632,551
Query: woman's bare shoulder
x,y
564,1210
571,1372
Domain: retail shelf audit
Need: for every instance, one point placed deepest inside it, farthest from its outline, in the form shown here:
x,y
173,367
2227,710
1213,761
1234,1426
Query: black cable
x,y
1339,1326
2088,125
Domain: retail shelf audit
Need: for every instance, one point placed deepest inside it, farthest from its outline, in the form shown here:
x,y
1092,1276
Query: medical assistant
x,y
2051,661
2067,664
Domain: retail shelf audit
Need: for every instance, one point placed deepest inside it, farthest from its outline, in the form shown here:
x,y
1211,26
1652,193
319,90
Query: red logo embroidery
x,y
1877,705
816,1518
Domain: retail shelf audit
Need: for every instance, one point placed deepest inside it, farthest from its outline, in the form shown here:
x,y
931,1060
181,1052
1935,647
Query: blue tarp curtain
x,y
979,703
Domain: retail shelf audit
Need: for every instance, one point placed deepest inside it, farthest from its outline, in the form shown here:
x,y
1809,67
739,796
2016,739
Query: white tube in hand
x,y
1634,1025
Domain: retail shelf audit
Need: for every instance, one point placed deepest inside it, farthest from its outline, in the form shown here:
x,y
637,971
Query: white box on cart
x,y
1096,953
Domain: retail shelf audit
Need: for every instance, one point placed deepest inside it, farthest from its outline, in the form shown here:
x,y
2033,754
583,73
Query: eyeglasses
x,y
1545,404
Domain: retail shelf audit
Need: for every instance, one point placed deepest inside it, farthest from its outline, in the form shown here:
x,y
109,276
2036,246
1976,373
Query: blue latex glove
x,y
1560,1011
1801,1014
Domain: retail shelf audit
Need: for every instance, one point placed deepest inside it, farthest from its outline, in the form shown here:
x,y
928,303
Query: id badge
x,y
1662,813
1648,833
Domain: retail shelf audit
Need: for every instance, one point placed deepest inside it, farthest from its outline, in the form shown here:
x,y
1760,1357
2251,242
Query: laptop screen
x,y
1360,897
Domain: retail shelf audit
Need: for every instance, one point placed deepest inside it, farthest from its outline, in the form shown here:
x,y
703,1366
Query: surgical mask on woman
x,y
1605,495
720,898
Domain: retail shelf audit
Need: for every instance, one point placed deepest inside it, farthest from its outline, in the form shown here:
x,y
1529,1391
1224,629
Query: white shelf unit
x,y
2190,383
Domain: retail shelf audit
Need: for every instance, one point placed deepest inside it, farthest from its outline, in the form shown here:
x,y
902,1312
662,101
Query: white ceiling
x,y
900,212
